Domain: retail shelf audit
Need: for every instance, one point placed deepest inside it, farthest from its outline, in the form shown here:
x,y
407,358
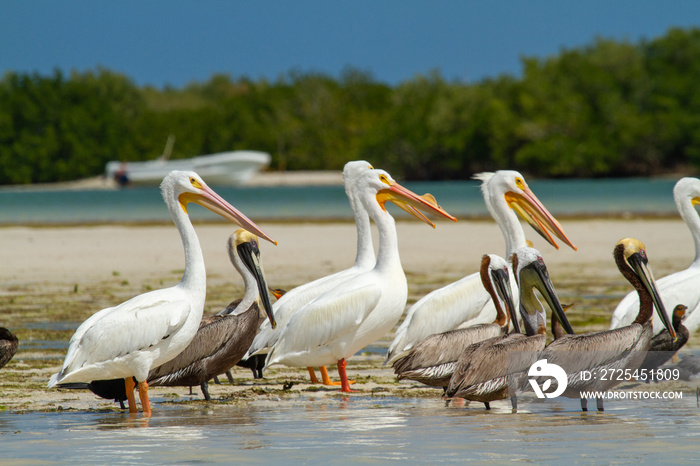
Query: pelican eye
x,y
384,179
194,182
520,183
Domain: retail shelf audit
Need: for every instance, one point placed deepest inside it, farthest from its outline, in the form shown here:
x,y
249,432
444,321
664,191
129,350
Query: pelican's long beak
x,y
640,265
207,198
502,281
411,202
536,275
536,214
250,255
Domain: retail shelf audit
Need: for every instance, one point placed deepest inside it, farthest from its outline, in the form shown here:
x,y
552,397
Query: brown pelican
x,y
493,369
224,338
8,345
678,287
343,320
465,302
663,347
130,339
432,360
296,298
621,348
257,363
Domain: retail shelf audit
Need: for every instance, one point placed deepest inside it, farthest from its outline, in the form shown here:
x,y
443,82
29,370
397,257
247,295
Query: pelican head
x,y
531,272
244,244
687,188
634,254
389,190
518,196
496,279
678,314
353,170
183,187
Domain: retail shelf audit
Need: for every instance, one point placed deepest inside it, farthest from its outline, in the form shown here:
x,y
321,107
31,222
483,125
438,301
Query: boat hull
x,y
222,169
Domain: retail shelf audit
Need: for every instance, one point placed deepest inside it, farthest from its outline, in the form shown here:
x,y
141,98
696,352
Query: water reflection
x,y
358,429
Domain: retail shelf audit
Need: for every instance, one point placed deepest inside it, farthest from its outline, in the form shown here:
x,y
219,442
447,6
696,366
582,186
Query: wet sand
x,y
56,277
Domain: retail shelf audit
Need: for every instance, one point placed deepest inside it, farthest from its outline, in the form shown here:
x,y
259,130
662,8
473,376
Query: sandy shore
x,y
65,274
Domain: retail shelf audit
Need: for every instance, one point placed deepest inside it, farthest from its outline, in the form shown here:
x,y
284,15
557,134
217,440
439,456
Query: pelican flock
x,y
128,340
465,302
623,348
464,338
493,369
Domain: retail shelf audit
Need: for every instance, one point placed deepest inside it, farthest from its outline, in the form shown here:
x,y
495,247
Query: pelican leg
x,y
121,404
514,402
143,395
205,391
130,385
584,404
326,378
312,374
697,396
216,380
599,404
344,382
229,376
487,405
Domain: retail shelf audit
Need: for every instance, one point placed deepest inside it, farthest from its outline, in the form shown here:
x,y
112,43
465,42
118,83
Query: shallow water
x,y
460,198
360,429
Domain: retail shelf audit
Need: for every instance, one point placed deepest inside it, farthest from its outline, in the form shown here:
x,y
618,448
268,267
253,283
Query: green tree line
x,y
610,108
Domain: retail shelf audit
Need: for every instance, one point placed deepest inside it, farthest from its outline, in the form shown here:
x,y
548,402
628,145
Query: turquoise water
x,y
460,198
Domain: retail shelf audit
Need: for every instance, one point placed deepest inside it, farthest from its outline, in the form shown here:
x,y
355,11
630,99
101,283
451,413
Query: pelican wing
x,y
285,308
332,316
213,334
136,324
576,353
443,347
492,359
441,310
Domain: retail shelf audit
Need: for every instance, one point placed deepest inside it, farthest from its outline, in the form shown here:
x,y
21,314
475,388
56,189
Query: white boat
x,y
222,169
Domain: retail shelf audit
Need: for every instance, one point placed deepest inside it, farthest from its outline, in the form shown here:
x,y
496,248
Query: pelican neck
x,y
195,275
507,221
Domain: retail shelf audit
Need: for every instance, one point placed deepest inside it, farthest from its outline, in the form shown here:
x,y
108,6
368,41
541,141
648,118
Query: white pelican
x,y
623,348
466,302
343,320
492,370
681,287
288,304
432,360
148,330
222,339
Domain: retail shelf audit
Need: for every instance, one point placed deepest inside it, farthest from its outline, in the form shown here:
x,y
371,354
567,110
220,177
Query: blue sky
x,y
176,42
